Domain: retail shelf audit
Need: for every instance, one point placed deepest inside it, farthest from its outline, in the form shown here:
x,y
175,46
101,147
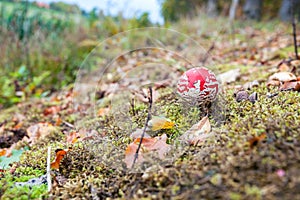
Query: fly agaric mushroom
x,y
198,84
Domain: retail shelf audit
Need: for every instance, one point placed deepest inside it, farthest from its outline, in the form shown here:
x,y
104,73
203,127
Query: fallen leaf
x,y
73,137
295,63
255,140
157,144
38,131
293,85
60,153
8,152
138,133
15,157
283,77
229,76
158,123
2,152
103,111
198,132
18,125
58,121
51,110
81,135
273,83
142,95
283,67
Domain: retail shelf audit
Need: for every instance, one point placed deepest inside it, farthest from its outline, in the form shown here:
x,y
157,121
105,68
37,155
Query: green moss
x,y
10,191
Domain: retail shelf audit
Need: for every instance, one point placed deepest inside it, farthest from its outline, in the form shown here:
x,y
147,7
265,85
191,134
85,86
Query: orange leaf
x,y
2,152
18,126
254,141
52,110
294,85
58,121
157,144
103,111
60,153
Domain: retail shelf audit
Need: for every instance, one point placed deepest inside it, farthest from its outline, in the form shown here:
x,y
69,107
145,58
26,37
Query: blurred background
x,y
44,42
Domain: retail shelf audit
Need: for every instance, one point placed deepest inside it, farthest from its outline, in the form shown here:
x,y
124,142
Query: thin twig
x,y
208,53
68,124
145,127
294,29
49,170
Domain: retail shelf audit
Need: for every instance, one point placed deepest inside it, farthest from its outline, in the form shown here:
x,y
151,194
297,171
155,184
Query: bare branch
x,y
150,99
294,29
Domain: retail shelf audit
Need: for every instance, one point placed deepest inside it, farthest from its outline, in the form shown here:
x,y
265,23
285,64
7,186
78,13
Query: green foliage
x,y
140,21
65,7
172,10
9,191
20,84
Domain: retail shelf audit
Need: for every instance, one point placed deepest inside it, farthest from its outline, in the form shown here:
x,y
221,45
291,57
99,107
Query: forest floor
x,y
252,150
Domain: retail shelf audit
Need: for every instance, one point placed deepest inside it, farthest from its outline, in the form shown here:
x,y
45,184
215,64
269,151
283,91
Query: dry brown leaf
x,y
157,144
283,77
198,132
273,83
138,133
283,67
82,135
295,63
38,131
52,110
294,85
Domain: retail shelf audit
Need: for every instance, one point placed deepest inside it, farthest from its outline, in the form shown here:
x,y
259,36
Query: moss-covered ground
x,y
236,163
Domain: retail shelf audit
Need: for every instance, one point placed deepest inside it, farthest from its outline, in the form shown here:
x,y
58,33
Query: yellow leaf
x,y
158,123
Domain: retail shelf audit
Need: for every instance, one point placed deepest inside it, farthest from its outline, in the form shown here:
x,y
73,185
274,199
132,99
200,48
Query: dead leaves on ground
x,y
157,144
198,132
285,81
39,131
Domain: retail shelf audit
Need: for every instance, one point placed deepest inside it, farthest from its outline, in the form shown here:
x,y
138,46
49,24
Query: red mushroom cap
x,y
198,84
